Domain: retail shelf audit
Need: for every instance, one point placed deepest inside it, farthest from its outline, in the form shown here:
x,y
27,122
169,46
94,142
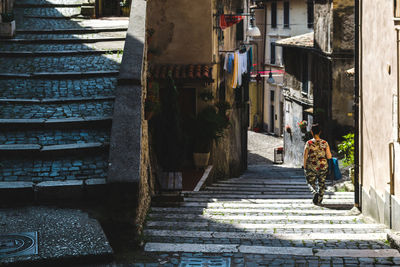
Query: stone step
x,y
269,192
63,40
34,24
56,100
227,197
47,111
65,65
251,235
46,5
245,249
51,12
54,168
53,123
250,187
328,218
61,36
33,150
314,227
184,210
266,182
58,89
60,136
59,75
56,53
60,49
72,30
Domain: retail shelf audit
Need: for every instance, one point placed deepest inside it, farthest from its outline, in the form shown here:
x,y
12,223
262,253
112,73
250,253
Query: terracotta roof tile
x,y
200,72
304,40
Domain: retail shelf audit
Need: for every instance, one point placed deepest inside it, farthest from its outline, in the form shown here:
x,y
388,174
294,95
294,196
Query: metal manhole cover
x,y
205,261
18,244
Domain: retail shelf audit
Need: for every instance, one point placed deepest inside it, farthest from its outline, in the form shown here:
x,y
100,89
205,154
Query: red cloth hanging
x,y
226,21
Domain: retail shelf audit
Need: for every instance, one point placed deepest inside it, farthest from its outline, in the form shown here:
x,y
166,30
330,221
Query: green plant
x,y
223,106
206,95
7,16
208,126
346,149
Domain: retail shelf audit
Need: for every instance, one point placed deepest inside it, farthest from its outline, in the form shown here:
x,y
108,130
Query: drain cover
x,y
19,244
205,261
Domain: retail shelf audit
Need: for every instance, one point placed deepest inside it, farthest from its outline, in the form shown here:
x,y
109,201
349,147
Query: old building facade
x,y
377,85
324,55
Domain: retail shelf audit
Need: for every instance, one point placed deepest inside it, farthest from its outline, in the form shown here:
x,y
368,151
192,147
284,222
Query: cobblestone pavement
x,y
66,88
58,151
263,218
261,148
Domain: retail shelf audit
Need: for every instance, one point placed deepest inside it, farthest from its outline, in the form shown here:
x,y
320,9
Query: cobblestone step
x,y
48,5
56,111
262,194
29,124
57,53
40,2
54,168
58,11
265,211
65,40
34,150
50,89
58,49
224,248
247,217
56,100
80,30
55,136
278,227
64,64
59,75
215,235
251,187
34,24
276,240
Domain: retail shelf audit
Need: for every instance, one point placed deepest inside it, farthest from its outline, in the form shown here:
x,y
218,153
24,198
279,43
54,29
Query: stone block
x,y
95,188
59,190
12,192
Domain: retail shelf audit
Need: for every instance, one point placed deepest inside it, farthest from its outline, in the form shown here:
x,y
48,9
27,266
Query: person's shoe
x,y
315,199
319,199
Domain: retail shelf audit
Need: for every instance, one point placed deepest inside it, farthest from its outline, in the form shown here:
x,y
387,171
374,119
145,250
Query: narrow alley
x,y
263,218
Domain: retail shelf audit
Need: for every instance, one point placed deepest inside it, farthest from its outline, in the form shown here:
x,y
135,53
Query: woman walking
x,y
316,155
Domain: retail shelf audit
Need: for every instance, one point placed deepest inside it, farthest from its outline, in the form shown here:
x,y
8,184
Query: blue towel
x,y
334,168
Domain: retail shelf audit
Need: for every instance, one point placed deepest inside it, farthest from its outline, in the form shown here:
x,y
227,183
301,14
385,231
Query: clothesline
x,y
238,63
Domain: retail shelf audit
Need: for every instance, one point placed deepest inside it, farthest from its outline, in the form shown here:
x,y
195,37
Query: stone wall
x,y
295,104
323,27
130,165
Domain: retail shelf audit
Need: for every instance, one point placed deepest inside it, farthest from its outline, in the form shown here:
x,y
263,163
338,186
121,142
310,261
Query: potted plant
x,y
209,126
303,126
7,25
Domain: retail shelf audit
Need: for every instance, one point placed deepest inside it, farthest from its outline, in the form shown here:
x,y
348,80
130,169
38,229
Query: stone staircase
x,y
266,218
57,86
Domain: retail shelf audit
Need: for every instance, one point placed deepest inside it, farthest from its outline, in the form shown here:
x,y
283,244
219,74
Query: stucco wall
x,y
379,89
181,31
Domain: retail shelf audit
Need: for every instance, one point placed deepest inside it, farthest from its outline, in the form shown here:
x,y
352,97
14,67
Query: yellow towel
x,y
235,70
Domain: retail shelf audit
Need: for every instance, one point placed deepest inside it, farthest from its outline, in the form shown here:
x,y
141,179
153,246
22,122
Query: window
x,y
286,9
272,98
305,74
272,53
310,14
273,15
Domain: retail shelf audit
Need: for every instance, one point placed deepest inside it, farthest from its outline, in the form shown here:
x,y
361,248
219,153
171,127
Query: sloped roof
x,y
302,41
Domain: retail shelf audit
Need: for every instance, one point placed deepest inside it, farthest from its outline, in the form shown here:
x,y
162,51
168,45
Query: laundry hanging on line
x,y
236,63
